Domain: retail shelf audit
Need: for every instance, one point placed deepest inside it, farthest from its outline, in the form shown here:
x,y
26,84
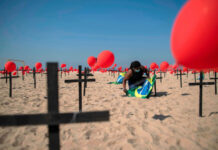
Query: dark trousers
x,y
136,84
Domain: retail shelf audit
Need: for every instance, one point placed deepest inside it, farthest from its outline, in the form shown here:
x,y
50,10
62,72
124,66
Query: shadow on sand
x,y
185,94
160,117
159,94
213,113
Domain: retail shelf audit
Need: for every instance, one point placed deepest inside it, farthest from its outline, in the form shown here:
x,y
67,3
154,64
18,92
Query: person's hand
x,y
125,90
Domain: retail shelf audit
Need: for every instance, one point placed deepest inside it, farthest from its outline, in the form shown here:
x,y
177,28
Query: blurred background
x,y
69,31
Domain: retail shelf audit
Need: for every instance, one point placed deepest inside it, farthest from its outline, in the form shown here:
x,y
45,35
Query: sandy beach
x,y
168,121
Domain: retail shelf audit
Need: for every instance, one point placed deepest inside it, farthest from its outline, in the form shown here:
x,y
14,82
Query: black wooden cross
x,y
187,73
111,72
194,75
155,86
80,80
160,76
53,118
86,74
215,78
5,73
180,76
5,76
34,76
164,74
201,83
177,73
10,82
62,72
22,72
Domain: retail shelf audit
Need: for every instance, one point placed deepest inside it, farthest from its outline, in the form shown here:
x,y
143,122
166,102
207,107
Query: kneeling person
x,y
134,76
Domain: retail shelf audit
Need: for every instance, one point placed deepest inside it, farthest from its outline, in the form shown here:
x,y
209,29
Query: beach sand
x,y
168,121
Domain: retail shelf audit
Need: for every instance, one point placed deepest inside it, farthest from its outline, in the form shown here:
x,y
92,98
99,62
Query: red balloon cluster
x,y
194,39
10,66
104,60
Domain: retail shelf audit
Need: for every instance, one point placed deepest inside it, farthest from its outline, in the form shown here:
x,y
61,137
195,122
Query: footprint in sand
x,y
18,140
114,109
105,137
146,114
132,142
33,130
129,115
131,130
88,134
156,139
3,137
172,147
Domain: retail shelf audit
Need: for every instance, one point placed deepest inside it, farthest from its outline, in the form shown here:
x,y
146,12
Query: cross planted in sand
x,y
201,83
53,118
10,81
215,78
34,76
80,80
155,86
86,74
180,76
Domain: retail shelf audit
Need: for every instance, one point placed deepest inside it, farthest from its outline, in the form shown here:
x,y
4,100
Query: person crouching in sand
x,y
135,76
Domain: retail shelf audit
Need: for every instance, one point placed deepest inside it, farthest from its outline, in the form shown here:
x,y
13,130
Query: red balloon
x,y
175,66
95,67
26,67
10,66
15,73
120,69
164,65
194,39
105,59
63,65
21,68
185,69
154,66
38,65
126,69
91,61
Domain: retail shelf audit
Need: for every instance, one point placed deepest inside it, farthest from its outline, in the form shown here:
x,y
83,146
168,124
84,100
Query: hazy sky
x,y
69,31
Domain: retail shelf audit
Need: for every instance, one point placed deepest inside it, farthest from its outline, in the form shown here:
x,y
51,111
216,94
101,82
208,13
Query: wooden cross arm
x,y
158,77
54,119
204,83
112,70
181,74
35,72
9,77
213,78
79,80
86,75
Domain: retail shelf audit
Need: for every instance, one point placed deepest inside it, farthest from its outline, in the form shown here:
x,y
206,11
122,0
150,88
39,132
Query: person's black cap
x,y
135,64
